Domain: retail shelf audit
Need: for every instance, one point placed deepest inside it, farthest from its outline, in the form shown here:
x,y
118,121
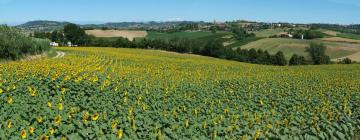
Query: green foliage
x,y
279,59
346,61
241,33
297,60
317,53
75,34
308,34
14,44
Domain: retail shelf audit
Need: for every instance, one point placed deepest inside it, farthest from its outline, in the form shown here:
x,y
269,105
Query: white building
x,y
54,44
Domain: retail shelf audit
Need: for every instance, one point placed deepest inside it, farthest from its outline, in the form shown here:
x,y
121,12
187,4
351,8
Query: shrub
x,y
346,61
317,53
297,60
14,44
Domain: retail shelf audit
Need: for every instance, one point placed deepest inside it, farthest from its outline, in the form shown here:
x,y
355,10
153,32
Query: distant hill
x,y
42,25
137,25
45,25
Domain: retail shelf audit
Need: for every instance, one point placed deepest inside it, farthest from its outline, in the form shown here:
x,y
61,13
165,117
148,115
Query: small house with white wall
x,y
54,44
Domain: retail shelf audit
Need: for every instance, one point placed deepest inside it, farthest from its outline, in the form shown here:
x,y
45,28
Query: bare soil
x,y
117,33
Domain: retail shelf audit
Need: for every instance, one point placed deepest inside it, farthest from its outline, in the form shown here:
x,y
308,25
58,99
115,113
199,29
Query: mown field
x,y
336,49
117,33
109,93
269,32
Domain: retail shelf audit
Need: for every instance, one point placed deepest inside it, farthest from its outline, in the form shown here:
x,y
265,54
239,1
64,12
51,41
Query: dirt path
x,y
60,54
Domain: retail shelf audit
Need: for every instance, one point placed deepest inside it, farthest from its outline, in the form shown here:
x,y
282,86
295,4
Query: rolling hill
x,y
42,25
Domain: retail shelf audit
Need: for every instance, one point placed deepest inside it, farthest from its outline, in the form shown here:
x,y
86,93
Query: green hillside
x,y
190,35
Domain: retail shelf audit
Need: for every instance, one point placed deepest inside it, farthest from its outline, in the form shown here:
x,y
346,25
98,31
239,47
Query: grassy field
x,y
348,35
109,93
294,46
269,32
190,35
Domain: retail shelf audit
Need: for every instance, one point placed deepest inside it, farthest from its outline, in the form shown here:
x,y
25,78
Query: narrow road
x,y
59,54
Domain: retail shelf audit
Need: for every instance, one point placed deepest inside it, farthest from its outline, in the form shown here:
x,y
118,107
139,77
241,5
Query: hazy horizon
x,y
15,12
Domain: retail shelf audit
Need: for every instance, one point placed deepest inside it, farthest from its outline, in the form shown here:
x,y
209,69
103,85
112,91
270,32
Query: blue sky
x,y
98,11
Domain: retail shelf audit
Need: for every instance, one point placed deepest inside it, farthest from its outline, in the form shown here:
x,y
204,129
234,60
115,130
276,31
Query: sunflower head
x,y
95,117
23,134
10,100
31,130
51,131
39,119
57,120
120,134
49,104
61,107
9,124
44,137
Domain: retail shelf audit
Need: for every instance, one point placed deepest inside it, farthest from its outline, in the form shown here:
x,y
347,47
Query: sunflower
x,y
86,115
49,104
95,117
23,134
61,107
51,131
114,124
31,130
39,119
186,123
10,100
44,137
257,134
9,124
120,134
1,91
57,120
226,111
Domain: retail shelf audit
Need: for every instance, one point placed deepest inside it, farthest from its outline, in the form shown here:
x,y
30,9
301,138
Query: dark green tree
x,y
317,53
297,60
75,34
279,59
346,61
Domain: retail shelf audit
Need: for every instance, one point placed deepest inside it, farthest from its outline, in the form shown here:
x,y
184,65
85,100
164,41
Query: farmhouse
x,y
54,44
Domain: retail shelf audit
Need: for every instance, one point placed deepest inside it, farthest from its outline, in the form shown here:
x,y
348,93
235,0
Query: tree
x,y
240,33
75,34
213,48
213,29
346,61
317,53
297,60
279,59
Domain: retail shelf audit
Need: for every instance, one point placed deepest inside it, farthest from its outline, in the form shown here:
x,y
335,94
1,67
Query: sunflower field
x,y
108,93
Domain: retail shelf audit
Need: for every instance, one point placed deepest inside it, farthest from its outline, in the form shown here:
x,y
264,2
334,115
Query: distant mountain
x,y
42,25
45,25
